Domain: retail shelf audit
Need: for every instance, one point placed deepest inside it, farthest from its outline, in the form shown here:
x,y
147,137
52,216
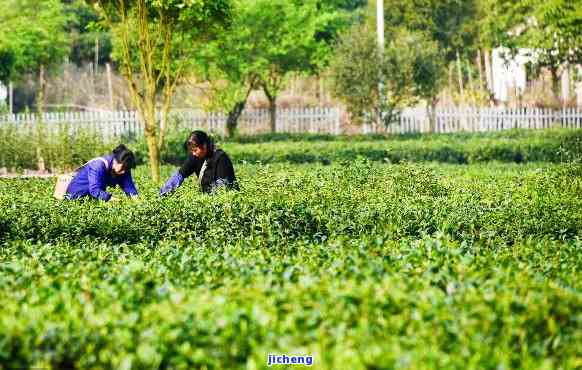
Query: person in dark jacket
x,y
99,173
212,166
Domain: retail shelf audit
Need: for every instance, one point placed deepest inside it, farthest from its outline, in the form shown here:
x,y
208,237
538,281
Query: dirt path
x,y
27,174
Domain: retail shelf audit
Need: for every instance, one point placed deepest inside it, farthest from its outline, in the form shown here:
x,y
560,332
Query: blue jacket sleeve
x,y
96,176
126,183
172,184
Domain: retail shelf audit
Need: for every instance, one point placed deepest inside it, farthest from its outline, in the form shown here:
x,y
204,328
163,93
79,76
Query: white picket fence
x,y
117,124
304,120
413,120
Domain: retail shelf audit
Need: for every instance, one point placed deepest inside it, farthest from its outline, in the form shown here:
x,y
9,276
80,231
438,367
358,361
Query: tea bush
x,y
284,203
61,150
362,264
517,146
20,149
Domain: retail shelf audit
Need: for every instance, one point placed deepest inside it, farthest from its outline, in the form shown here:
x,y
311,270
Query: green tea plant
x,y
515,146
61,150
360,263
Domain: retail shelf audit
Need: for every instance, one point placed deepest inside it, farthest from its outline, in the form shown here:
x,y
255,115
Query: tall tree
x,y
154,43
86,37
268,40
32,40
376,83
452,24
32,37
286,44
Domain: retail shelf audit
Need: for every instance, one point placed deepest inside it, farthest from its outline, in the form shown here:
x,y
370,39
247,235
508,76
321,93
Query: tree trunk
x,y
272,109
110,87
460,73
40,124
488,73
96,58
40,94
470,80
10,97
431,108
233,116
480,67
273,114
451,83
555,82
149,117
565,82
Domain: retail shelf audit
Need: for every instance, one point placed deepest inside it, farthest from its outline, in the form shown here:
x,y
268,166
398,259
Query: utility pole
x,y
10,97
96,55
380,22
380,32
110,86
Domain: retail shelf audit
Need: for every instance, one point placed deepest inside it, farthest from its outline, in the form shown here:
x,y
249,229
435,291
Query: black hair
x,y
199,138
125,156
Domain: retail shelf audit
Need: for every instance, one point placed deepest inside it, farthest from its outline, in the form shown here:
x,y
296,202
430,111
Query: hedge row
x,y
519,146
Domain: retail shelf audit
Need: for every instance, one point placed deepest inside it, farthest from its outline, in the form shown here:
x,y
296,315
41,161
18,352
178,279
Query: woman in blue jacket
x,y
99,173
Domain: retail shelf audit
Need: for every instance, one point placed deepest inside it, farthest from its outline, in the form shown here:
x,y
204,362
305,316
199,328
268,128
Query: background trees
x,y
32,39
269,40
154,43
234,49
375,82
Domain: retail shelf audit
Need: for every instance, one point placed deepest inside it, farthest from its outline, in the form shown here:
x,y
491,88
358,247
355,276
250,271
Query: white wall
x,y
508,73
578,87
3,94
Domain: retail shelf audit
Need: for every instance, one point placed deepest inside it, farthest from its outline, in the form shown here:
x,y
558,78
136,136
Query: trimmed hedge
x,y
516,146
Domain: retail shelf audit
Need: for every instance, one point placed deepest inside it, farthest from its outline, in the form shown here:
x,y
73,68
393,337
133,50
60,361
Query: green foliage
x,y
376,83
517,146
514,146
453,24
549,31
61,149
154,42
267,41
84,30
32,35
361,265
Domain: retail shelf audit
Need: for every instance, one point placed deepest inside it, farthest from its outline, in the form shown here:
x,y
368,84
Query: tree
x,y
33,32
552,35
230,64
32,40
86,37
286,44
566,20
546,30
154,42
452,24
267,41
375,84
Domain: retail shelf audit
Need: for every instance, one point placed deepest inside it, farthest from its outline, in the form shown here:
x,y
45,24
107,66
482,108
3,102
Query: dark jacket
x,y
218,172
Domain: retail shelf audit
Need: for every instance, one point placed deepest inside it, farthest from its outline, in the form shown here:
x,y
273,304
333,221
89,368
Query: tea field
x,y
362,263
